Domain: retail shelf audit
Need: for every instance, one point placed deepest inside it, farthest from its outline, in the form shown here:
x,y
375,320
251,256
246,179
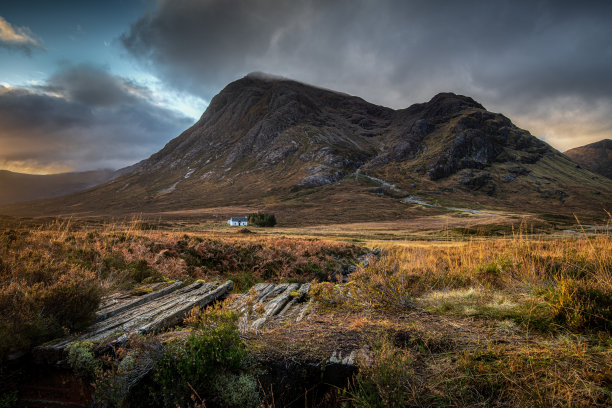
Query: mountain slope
x,y
276,143
596,157
19,187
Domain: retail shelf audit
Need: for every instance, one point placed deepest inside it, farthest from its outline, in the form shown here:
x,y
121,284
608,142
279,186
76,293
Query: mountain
x,y
596,157
19,187
322,156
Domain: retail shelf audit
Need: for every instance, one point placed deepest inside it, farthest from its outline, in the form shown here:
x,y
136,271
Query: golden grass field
x,y
459,310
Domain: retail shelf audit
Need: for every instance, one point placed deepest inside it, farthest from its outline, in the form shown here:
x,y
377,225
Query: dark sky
x,y
104,84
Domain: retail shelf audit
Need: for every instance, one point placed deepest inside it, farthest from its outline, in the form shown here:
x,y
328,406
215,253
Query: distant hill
x,y
323,156
20,187
596,157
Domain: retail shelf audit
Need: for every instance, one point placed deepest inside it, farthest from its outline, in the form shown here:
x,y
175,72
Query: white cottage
x,y
238,221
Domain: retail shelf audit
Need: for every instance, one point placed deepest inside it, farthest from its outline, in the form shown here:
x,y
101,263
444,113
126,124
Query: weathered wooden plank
x,y
278,303
176,314
269,300
158,313
119,307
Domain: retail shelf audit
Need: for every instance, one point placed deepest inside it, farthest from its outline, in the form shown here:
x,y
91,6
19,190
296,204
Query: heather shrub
x,y
329,294
72,300
82,360
19,325
276,259
565,373
211,363
35,313
44,293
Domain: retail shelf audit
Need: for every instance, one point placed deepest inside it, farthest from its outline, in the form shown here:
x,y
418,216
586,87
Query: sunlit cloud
x,y
567,122
82,118
17,37
34,167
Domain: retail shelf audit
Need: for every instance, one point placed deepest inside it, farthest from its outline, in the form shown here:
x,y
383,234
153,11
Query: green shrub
x,y
8,399
140,270
211,359
243,281
81,359
312,270
237,390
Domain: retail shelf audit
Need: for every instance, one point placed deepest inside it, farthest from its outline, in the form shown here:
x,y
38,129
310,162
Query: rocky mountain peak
x,y
452,99
443,106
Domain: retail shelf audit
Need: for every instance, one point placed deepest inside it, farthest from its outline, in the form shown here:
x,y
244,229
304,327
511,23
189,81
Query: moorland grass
x,y
551,299
52,277
547,300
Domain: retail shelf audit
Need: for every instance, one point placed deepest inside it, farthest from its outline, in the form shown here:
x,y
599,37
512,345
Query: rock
x,y
321,179
354,358
477,181
518,171
378,191
278,154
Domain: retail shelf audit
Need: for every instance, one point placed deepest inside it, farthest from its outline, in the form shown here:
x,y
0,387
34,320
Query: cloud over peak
x,y
94,86
511,56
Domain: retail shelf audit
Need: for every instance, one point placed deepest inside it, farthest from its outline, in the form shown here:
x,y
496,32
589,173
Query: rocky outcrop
x,y
321,178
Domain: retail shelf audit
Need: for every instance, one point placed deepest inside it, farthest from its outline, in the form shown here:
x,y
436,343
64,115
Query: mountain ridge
x,y
20,187
278,143
596,157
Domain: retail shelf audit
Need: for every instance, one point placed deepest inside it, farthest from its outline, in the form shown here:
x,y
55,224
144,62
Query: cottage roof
x,y
239,219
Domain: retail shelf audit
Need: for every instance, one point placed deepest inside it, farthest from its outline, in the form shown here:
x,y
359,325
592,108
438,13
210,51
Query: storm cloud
x,y
82,118
545,64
